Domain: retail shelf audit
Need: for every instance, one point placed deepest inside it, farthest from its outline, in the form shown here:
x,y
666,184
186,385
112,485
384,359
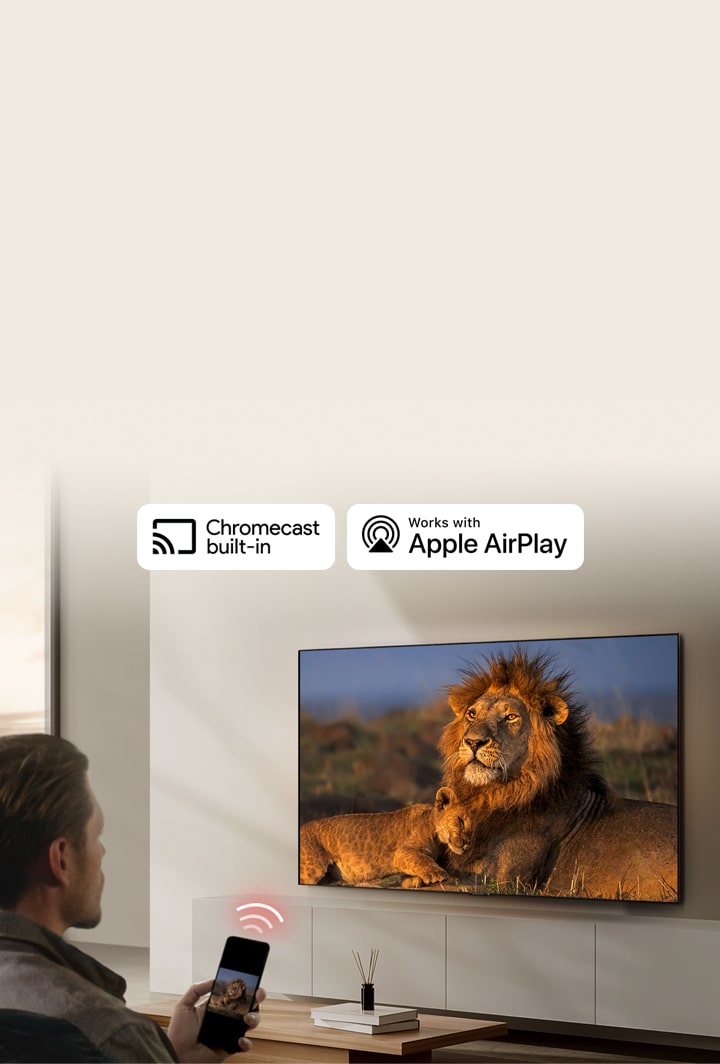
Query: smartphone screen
x,y
233,993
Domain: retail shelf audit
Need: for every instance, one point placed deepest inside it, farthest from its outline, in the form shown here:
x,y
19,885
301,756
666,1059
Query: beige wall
x,y
104,677
349,253
224,645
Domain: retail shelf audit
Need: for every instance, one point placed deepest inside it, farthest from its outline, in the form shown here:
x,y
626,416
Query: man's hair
x,y
43,796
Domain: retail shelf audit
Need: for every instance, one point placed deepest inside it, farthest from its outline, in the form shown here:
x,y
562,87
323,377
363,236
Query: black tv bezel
x,y
519,899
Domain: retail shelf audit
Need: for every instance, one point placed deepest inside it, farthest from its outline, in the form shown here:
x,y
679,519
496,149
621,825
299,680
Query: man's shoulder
x,y
44,984
21,935
61,985
33,983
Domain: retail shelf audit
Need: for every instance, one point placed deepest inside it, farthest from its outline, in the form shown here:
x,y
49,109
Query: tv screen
x,y
545,767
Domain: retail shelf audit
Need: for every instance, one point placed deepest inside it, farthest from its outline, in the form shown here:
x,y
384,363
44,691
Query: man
x,y
51,879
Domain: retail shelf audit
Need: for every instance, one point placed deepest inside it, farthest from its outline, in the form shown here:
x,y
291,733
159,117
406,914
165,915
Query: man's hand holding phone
x,y
187,1019
211,1030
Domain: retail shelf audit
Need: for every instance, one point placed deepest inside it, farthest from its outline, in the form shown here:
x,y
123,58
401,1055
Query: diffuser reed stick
x,y
374,954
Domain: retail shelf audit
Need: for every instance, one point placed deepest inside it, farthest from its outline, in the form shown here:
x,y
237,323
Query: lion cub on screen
x,y
366,846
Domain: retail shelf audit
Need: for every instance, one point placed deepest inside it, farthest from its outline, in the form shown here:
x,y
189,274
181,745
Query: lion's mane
x,y
560,761
543,816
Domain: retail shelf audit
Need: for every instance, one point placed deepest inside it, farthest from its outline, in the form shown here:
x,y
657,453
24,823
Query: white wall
x,y
224,646
103,637
350,253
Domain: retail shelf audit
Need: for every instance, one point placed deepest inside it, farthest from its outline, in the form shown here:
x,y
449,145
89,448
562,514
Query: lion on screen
x,y
518,752
231,997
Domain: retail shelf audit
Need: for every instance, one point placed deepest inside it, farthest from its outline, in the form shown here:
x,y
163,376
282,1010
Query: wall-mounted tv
x,y
541,767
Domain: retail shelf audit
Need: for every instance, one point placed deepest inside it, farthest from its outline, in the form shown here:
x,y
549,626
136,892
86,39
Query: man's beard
x,y
83,911
87,923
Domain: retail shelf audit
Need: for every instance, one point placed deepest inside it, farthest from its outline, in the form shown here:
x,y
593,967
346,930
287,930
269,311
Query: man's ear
x,y
59,859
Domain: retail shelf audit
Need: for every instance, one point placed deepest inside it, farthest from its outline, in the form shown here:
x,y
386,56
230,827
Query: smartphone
x,y
233,993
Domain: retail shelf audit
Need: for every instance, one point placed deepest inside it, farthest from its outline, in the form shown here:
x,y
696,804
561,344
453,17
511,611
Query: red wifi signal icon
x,y
253,920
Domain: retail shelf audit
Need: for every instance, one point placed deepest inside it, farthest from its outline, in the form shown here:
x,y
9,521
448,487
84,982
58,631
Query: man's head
x,y
50,825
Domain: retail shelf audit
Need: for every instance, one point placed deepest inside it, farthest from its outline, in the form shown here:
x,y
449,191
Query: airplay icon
x,y
381,534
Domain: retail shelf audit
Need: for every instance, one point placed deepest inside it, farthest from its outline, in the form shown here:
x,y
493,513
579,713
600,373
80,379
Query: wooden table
x,y
287,1033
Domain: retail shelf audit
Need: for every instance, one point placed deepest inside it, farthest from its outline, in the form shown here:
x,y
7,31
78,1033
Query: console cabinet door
x,y
411,965
535,969
658,977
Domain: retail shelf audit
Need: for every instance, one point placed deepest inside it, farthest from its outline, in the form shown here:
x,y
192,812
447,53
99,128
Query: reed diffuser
x,y
367,987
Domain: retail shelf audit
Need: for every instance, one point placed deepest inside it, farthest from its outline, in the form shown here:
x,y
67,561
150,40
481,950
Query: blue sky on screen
x,y
226,975
614,674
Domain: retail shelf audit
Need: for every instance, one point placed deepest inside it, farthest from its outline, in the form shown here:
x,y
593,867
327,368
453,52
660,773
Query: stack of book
x,y
349,1016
